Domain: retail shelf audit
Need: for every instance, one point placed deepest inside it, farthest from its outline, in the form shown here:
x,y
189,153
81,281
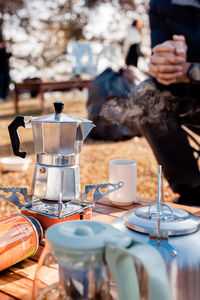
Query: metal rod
x,y
162,195
60,205
159,196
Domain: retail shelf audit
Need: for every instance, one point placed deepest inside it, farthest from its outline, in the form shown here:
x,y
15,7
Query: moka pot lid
x,y
59,117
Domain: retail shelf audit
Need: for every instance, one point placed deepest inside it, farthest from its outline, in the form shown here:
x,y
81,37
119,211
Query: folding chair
x,y
80,54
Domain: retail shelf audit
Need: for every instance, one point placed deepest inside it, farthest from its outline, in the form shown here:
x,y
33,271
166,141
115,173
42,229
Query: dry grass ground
x,y
94,157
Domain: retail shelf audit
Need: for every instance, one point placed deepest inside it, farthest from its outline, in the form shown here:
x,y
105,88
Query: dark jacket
x,y
167,19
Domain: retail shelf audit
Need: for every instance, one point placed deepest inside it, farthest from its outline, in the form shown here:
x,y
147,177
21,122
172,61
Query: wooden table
x,y
17,281
43,86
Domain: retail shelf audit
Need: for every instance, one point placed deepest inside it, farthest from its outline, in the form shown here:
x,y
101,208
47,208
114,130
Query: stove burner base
x,y
47,214
47,221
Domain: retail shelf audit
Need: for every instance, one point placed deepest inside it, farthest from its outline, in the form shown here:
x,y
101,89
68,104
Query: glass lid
x,y
172,221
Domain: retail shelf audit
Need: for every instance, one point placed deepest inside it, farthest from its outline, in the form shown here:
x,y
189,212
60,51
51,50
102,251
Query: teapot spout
x,y
87,127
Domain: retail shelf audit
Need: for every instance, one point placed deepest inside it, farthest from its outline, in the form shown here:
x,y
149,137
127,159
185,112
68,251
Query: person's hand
x,y
176,46
168,62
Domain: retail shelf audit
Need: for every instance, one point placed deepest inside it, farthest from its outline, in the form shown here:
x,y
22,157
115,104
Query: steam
x,y
149,105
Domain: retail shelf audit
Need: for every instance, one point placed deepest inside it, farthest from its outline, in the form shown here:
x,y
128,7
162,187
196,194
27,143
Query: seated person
x,y
131,47
4,70
171,98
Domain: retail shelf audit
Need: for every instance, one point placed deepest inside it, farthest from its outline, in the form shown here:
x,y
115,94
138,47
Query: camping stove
x,y
48,213
55,192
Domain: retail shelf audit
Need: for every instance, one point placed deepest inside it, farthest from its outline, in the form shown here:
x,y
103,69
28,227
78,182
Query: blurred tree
x,y
127,4
39,31
8,7
91,3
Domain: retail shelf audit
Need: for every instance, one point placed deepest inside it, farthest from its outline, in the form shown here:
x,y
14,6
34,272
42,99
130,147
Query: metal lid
x,y
53,118
59,117
172,222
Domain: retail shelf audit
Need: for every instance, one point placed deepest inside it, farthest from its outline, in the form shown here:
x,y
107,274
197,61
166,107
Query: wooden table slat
x,y
102,218
139,201
4,296
15,285
25,269
108,210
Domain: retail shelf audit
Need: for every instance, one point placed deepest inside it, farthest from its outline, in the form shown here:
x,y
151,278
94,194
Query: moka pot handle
x,y
14,136
121,263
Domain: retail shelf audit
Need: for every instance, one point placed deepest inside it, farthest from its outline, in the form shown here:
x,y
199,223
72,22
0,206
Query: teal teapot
x,y
79,257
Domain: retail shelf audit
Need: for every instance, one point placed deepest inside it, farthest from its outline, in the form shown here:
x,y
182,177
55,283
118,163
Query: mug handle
x,y
121,264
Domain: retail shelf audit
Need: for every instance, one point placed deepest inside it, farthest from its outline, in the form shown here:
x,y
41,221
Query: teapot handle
x,y
121,264
14,136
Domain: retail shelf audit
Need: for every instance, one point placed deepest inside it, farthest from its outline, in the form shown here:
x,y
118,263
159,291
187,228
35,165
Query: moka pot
x,y
58,140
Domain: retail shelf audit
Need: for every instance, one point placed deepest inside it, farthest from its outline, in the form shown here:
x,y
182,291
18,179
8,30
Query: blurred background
x,y
38,33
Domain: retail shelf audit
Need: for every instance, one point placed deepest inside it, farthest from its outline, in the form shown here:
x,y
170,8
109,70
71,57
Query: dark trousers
x,y
180,105
133,54
159,111
4,84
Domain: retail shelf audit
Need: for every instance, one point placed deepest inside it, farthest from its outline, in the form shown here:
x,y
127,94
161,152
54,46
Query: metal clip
x,y
156,240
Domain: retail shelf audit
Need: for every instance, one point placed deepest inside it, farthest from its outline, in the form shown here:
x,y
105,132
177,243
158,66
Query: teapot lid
x,y
172,221
84,235
160,219
58,116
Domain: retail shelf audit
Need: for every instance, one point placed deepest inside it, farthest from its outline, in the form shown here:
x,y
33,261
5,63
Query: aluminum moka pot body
x,y
56,177
58,140
178,244
63,136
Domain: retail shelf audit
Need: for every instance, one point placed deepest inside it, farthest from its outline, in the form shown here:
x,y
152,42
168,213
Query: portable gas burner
x,y
55,193
48,213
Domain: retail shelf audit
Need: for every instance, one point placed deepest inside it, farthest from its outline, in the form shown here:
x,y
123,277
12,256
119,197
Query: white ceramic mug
x,y
123,170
